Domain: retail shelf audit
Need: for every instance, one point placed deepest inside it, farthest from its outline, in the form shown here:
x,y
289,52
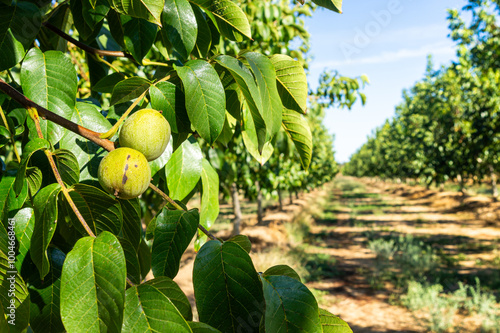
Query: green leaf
x,y
242,241
234,99
94,11
290,306
4,326
228,130
162,160
67,164
45,314
116,27
198,327
34,177
147,309
204,36
49,79
209,209
139,36
169,98
132,228
335,5
101,211
282,270
205,98
4,238
170,289
149,10
265,76
19,25
230,19
144,255
107,83
5,136
246,82
174,230
30,148
87,153
93,285
8,199
250,139
45,206
24,223
297,127
18,318
183,170
227,288
292,82
129,89
333,324
131,260
88,20
180,23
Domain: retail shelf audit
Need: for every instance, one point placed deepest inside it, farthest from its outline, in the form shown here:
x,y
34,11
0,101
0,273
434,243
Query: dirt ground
x,y
468,222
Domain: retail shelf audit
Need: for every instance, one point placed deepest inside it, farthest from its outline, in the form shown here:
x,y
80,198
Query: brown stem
x,y
85,47
48,115
178,207
36,119
206,232
66,194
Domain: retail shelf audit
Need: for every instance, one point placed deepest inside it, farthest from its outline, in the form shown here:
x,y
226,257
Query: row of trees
x,y
448,123
74,258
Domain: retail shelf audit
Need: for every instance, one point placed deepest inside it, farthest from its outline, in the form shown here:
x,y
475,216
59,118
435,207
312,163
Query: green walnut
x,y
125,173
146,131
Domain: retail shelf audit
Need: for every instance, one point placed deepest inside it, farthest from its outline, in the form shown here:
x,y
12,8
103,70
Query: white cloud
x,y
442,49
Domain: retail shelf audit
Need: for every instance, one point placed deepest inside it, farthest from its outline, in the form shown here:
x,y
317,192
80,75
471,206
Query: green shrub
x,y
435,311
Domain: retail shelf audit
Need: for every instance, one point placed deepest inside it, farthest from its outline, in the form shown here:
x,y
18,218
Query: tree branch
x,y
49,115
85,47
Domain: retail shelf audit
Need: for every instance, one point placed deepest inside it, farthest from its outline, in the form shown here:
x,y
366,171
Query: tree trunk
x,y
280,199
236,209
297,195
462,183
494,189
260,211
290,194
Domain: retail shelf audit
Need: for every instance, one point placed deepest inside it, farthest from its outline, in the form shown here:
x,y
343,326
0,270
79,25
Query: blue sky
x,y
387,40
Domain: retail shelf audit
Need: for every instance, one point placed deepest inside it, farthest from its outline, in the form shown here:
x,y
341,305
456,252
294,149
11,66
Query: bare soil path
x,y
377,209
462,230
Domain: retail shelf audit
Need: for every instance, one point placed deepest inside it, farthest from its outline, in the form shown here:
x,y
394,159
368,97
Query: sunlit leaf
x,y
205,98
227,288
93,285
174,230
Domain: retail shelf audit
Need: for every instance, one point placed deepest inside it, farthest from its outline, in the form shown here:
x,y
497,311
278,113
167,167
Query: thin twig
x,y
130,283
206,232
10,76
165,196
114,129
66,194
49,154
86,47
178,207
